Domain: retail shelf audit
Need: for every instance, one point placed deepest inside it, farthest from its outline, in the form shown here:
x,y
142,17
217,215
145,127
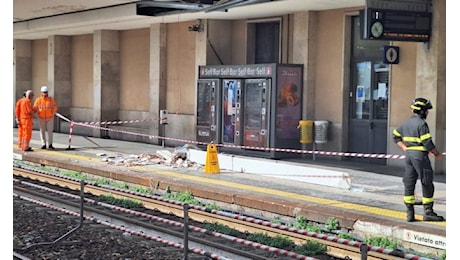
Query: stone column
x,y
431,79
59,74
304,29
201,50
106,78
22,69
158,73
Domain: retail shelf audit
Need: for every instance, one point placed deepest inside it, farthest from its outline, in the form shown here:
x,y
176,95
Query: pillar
x,y
431,79
158,41
22,69
59,74
106,89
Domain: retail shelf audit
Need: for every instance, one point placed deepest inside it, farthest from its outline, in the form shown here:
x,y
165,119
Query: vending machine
x,y
207,103
250,109
256,121
231,111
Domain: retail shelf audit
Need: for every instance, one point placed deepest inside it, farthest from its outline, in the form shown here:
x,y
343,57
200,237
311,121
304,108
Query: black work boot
x,y
430,215
410,212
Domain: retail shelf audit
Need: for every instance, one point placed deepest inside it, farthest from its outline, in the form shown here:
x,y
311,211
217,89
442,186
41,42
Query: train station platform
x,y
362,197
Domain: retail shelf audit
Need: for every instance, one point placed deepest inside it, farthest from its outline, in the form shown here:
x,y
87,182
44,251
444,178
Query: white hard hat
x,y
44,89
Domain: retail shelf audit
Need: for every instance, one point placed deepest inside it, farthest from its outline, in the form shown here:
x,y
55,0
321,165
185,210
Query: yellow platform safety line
x,y
322,201
212,159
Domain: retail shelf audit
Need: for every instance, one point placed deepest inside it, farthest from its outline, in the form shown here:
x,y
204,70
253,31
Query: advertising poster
x,y
289,102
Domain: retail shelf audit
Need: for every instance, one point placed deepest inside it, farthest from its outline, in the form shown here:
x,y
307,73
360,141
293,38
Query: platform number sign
x,y
390,54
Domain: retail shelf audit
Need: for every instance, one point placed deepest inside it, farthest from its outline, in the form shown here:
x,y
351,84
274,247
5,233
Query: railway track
x,y
338,248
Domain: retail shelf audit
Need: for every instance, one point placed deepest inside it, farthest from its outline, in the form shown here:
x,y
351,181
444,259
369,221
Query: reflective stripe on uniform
x,y
409,199
427,200
417,148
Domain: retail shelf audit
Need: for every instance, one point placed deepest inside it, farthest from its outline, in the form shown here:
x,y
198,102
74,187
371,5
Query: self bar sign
x,y
212,161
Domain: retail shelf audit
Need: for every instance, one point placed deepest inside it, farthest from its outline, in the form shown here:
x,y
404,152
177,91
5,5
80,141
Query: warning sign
x,y
212,161
425,239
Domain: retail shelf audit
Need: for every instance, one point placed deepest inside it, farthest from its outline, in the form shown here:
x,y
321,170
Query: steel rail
x,y
336,247
132,224
114,215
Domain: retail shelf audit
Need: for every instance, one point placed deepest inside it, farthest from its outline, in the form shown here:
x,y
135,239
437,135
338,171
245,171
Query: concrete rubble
x,y
175,159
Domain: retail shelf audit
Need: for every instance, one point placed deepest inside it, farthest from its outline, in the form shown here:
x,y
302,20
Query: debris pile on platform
x,y
176,159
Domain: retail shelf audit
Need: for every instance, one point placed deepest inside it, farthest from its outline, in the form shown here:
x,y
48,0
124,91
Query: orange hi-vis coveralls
x,y
17,112
46,109
25,115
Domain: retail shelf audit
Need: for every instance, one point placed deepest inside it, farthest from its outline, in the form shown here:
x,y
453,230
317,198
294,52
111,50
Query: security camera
x,y
195,28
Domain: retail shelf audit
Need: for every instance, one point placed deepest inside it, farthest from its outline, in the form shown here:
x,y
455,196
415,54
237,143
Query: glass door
x,y
368,97
369,109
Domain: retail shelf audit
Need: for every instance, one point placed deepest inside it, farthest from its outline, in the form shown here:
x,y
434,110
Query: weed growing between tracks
x,y
331,227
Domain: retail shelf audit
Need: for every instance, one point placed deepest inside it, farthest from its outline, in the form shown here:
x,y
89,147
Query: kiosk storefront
x,y
250,109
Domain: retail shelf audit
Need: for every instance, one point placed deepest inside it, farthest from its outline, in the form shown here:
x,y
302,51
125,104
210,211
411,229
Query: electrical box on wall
x,y
163,117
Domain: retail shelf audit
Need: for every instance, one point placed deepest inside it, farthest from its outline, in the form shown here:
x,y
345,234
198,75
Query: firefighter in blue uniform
x,y
413,136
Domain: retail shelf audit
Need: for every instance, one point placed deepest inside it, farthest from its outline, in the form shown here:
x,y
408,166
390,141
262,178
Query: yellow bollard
x,y
212,161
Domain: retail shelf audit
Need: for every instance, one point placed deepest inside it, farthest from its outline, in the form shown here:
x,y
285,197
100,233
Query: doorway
x,y
264,41
369,93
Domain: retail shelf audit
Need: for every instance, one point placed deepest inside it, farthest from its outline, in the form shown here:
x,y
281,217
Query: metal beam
x,y
233,3
173,5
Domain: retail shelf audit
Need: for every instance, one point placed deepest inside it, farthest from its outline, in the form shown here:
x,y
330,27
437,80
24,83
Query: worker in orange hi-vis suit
x,y
25,114
46,109
17,113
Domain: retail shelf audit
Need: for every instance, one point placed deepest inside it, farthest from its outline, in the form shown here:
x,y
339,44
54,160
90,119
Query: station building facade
x,y
130,75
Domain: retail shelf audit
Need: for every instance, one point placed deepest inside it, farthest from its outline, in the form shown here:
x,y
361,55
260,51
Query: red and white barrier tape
x,y
346,154
70,133
117,122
